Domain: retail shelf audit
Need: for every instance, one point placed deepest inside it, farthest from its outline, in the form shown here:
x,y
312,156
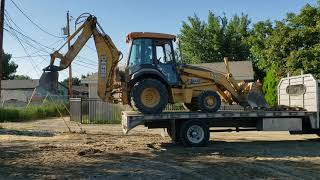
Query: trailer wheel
x,y
194,133
149,96
209,101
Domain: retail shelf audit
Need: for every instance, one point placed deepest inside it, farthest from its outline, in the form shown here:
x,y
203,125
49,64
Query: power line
x,y
59,41
85,66
87,63
25,51
21,57
9,19
91,48
25,41
38,26
87,59
30,38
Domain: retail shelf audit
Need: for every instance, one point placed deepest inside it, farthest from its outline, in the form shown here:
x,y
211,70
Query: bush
x,y
32,112
270,85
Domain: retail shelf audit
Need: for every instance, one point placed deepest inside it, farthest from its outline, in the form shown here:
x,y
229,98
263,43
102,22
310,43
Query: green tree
x,y
211,41
75,81
9,67
289,46
22,77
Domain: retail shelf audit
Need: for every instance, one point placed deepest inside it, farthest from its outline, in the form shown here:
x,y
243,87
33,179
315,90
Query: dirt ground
x,y
45,150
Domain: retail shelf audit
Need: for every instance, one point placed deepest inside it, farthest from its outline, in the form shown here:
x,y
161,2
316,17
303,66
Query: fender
x,y
147,73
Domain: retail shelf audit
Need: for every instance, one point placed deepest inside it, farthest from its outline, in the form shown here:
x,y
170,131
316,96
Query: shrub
x,y
32,112
270,87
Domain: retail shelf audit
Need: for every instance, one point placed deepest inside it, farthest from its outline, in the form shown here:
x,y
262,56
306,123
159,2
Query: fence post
x,y
81,110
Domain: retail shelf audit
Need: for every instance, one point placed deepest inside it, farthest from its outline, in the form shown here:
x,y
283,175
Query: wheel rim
x,y
195,134
150,97
210,101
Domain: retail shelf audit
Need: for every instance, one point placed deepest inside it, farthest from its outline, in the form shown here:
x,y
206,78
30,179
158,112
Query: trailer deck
x,y
193,128
131,119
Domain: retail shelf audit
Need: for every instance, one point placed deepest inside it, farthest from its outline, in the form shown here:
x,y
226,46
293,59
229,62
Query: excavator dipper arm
x,y
108,58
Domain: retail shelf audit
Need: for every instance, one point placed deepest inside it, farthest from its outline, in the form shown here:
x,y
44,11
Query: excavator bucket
x,y
49,81
255,97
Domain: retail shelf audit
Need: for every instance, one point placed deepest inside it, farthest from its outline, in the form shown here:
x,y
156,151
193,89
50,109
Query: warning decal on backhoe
x,y
103,67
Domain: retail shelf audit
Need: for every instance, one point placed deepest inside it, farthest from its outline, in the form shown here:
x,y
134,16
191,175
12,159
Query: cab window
x,y
164,51
141,52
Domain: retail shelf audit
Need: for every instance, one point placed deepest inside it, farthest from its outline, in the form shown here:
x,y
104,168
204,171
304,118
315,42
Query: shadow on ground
x,y
272,149
289,159
26,133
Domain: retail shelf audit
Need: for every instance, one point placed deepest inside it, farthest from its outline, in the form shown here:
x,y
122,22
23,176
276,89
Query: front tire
x,y
194,133
149,96
209,101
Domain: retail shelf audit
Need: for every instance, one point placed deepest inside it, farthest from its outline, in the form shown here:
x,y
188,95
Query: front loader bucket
x,y
49,81
255,98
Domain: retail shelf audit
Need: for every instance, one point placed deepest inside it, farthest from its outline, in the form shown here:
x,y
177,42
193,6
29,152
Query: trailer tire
x,y
149,96
209,101
194,133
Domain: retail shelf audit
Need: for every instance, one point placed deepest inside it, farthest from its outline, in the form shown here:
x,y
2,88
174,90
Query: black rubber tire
x,y
184,133
138,88
202,104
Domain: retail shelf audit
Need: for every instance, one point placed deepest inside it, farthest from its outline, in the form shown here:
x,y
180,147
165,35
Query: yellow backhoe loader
x,y
153,77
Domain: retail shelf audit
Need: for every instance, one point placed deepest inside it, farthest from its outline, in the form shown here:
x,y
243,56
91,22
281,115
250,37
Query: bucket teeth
x,y
49,81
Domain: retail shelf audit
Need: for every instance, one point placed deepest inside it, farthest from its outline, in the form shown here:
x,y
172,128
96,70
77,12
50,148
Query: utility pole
x,y
1,40
70,69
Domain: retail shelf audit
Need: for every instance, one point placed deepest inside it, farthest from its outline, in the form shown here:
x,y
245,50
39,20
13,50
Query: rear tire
x,y
209,101
194,133
149,96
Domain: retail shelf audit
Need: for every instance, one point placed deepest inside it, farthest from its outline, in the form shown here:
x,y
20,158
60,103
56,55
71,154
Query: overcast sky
x,y
119,17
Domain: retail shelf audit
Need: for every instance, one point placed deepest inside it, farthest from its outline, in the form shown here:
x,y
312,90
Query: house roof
x,y
93,78
241,70
22,84
80,88
19,84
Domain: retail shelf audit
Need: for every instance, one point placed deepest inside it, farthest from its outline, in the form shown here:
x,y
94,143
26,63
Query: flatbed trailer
x,y
193,128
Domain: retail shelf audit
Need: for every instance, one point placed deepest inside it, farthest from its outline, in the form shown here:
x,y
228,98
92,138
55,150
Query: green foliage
x,y
211,41
270,86
275,48
22,77
9,67
75,81
32,112
288,46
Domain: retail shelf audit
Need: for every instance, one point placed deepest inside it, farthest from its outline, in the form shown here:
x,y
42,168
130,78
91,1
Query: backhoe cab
x,y
152,77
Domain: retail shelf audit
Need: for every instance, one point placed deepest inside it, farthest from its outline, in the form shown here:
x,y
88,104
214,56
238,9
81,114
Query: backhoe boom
x,y
108,58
